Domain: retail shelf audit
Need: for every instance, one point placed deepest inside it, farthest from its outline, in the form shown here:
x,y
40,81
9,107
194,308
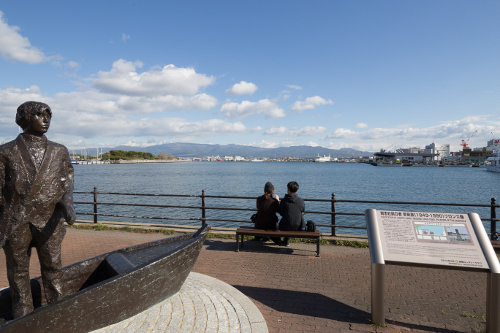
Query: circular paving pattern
x,y
203,304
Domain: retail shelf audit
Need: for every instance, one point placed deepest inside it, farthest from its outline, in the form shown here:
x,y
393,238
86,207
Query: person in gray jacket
x,y
292,209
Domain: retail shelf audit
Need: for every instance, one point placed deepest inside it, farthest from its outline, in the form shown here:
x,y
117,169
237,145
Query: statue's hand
x,y
69,214
68,209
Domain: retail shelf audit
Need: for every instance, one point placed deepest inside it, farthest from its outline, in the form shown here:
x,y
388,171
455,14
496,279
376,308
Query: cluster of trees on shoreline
x,y
116,155
128,155
135,155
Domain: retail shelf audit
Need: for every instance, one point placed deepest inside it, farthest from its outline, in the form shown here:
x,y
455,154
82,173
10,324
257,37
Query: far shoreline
x,y
88,162
146,161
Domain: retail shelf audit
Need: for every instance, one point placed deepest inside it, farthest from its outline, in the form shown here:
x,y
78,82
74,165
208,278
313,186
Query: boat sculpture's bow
x,y
111,287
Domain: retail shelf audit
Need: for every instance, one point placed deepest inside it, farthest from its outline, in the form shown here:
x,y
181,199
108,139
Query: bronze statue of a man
x,y
36,182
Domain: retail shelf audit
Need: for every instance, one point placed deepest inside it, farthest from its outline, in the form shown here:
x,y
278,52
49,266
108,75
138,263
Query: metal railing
x,y
202,208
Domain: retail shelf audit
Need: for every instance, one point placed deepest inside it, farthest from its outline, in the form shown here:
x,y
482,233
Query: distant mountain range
x,y
191,150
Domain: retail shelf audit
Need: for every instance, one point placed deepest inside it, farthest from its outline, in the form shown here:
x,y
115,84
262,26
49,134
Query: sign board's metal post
x,y
493,303
378,268
488,301
493,281
378,313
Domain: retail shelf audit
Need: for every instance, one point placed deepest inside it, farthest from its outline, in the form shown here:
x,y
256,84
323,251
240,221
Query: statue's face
x,y
39,123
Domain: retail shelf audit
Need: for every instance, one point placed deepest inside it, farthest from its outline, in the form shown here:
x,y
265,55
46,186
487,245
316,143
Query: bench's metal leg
x,y
317,246
237,243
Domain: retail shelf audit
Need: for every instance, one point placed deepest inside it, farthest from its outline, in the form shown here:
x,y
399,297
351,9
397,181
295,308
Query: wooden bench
x,y
248,231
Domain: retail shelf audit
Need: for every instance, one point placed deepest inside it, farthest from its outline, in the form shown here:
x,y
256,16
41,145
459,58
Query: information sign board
x,y
446,239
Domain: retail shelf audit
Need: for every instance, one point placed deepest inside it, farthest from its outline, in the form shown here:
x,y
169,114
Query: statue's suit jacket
x,y
29,195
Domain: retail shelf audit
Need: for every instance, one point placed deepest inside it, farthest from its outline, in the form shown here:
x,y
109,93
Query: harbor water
x,y
348,181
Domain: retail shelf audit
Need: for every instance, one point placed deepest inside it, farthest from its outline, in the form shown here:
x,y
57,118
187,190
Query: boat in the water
x,y
323,158
110,287
493,163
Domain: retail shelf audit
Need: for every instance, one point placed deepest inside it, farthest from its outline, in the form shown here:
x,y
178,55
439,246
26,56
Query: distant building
x,y
240,159
440,152
478,155
406,156
493,144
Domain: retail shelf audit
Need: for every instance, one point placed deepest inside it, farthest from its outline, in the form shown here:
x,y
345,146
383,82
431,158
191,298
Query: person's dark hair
x,y
293,186
27,109
269,188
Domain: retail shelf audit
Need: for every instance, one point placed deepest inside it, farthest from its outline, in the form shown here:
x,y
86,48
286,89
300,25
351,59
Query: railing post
x,y
95,204
203,211
333,214
493,226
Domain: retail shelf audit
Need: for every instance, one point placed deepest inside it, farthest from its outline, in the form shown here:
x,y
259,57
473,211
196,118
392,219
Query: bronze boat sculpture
x,y
110,287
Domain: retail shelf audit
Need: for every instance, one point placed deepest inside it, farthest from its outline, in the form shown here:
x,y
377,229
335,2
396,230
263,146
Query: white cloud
x,y
123,78
242,88
258,129
90,125
309,131
265,144
288,143
125,37
10,99
72,64
361,125
89,112
13,46
295,132
310,103
342,133
451,132
277,131
197,128
247,108
293,86
154,104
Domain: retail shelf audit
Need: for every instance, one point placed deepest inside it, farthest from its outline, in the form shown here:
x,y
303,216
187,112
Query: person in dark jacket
x,y
292,209
267,206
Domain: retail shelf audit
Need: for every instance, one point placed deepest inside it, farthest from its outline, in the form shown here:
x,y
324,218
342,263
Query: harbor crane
x,y
464,143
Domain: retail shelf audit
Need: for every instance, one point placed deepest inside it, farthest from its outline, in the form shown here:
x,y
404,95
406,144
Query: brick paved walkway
x,y
297,292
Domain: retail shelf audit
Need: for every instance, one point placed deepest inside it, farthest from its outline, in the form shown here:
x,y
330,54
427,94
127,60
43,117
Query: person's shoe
x,y
277,242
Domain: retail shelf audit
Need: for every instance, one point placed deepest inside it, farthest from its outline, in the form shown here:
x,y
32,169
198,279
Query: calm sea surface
x,y
349,181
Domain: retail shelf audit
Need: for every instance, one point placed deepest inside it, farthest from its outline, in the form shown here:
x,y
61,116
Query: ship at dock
x,y
492,164
324,158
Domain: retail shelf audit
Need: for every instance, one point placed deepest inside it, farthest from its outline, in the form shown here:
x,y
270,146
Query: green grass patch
x,y
221,236
466,315
102,227
356,244
473,315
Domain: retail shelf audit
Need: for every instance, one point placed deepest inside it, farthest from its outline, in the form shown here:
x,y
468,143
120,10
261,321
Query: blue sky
x,y
360,74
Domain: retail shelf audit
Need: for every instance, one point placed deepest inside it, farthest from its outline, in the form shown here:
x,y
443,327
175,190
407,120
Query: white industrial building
x,y
438,151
